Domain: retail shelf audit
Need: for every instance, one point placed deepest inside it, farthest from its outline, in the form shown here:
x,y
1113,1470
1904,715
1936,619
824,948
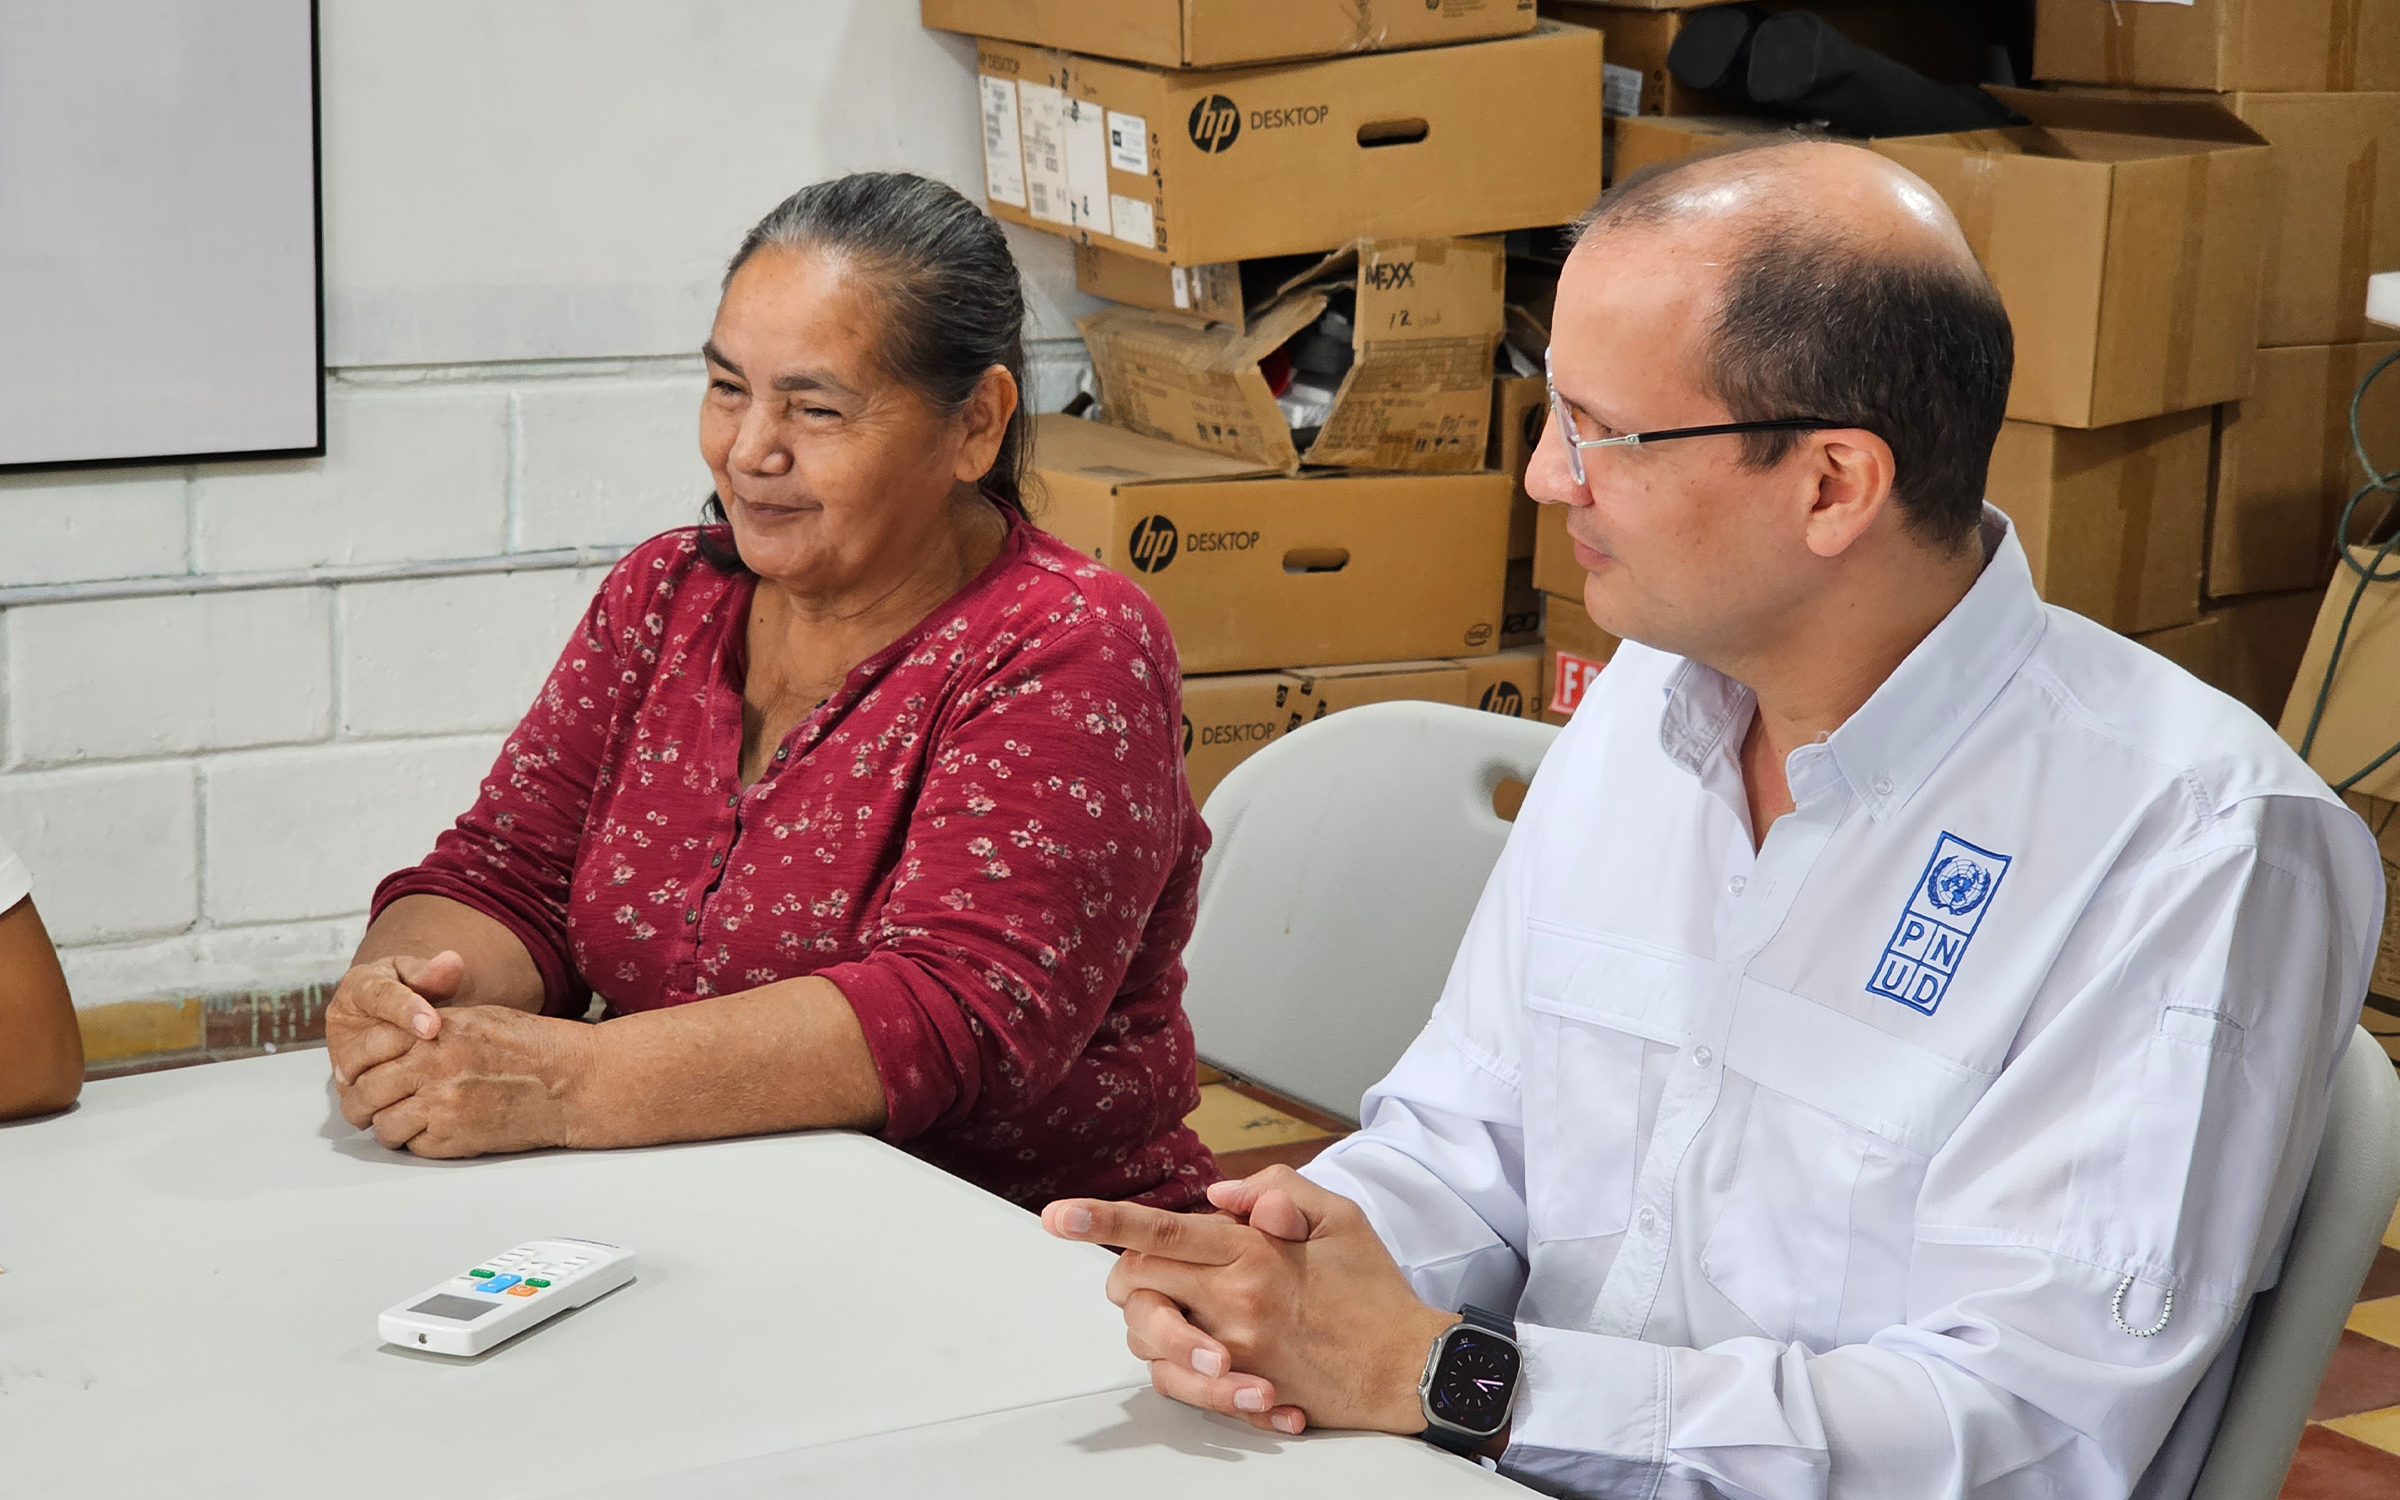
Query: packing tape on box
x,y
2137,493
2183,308
2118,43
2341,50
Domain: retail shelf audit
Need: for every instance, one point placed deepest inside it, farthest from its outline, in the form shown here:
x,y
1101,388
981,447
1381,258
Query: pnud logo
x,y
1153,543
1216,120
1504,698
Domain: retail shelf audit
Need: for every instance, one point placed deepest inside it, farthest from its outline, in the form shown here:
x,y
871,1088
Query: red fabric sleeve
x,y
512,855
1047,826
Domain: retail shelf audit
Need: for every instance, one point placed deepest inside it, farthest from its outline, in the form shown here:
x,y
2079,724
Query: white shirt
x,y
16,882
1818,1171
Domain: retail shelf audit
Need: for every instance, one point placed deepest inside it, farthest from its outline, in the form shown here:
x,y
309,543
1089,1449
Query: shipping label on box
x,y
1291,158
2125,239
1256,571
2285,466
1225,33
2112,519
1423,319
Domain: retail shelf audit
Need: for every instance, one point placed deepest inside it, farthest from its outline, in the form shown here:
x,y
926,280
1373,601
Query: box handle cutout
x,y
1507,798
1392,132
1316,559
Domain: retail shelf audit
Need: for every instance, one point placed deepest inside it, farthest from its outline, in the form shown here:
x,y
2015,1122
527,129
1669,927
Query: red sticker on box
x,y
1574,678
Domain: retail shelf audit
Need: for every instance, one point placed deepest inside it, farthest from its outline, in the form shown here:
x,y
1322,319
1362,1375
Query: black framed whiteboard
x,y
161,261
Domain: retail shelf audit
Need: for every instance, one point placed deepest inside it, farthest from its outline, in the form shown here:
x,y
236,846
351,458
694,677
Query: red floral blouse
x,y
984,838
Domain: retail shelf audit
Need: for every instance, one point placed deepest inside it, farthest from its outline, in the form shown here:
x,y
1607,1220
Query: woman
x,y
859,806
41,1049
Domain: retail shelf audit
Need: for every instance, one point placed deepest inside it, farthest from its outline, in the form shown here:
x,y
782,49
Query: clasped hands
x,y
459,1082
1283,1308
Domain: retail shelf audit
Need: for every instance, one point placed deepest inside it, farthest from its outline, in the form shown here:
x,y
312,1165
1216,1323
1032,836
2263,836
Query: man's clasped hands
x,y
1282,1307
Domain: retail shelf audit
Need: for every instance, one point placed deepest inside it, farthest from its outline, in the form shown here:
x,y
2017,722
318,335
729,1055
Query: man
x,y
1887,1056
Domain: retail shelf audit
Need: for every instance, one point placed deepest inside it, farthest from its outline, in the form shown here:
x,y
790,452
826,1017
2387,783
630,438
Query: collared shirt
x,y
1867,1163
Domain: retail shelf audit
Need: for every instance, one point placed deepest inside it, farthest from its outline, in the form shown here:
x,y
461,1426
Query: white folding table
x,y
194,1260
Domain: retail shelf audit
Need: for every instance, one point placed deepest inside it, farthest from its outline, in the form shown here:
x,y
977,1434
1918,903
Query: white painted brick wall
x,y
113,849
611,462
451,655
213,961
294,835
120,678
413,472
104,523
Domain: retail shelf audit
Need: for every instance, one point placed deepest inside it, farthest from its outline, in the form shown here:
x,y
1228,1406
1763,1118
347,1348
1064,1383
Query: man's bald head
x,y
1844,291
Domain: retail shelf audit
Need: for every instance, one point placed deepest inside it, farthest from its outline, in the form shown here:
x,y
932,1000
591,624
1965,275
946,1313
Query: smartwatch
x,y
1470,1381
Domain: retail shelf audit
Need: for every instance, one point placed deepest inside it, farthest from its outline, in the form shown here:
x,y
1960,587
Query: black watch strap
x,y
1465,1444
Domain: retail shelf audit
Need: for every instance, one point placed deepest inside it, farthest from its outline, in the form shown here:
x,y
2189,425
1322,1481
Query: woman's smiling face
x,y
823,461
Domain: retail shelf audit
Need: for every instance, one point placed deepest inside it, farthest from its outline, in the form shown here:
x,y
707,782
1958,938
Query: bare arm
x,y
498,969
785,1056
41,1049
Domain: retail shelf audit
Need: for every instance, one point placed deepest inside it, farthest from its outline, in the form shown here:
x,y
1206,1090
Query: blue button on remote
x,y
497,1284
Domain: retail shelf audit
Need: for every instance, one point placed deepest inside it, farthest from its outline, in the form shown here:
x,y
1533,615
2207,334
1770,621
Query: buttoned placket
x,y
1751,905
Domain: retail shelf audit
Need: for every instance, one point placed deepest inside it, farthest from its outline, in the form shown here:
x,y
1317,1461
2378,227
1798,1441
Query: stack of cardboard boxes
x,y
2321,84
1298,212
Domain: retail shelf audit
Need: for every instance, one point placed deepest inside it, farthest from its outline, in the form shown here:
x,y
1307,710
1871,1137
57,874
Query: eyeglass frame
x,y
1560,413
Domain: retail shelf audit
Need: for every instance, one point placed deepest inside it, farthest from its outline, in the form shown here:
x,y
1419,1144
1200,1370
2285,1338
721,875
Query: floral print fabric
x,y
984,838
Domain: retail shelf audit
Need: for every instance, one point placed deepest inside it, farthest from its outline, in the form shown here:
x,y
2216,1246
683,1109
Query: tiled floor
x,y
2350,1451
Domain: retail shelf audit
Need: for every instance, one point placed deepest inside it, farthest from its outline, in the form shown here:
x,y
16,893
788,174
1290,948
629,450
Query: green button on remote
x,y
479,1273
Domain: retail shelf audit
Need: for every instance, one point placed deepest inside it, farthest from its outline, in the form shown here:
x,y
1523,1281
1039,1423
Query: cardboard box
x,y
1573,652
2125,239
1425,319
2248,649
1520,607
1520,407
1555,570
2362,704
2383,820
1197,294
1509,683
1256,571
2111,518
2333,207
2221,45
1650,140
1194,168
2285,466
1229,718
1633,70
1228,33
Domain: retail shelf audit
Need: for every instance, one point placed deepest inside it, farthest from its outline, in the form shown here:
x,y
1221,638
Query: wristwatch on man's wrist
x,y
1470,1381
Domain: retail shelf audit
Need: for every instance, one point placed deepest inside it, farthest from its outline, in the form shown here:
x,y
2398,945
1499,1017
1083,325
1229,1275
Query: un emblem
x,y
1958,885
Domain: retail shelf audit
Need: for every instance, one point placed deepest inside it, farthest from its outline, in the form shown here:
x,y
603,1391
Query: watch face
x,y
1472,1380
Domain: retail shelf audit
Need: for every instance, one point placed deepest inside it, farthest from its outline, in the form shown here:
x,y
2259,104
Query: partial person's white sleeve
x,y
2150,1134
16,882
1438,1162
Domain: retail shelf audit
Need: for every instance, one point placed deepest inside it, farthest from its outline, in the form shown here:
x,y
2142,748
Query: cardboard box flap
x,y
1216,349
1064,444
2186,119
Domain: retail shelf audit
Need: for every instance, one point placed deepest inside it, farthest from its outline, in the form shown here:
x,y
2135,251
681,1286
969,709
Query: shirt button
x,y
715,860
732,798
1701,1056
691,916
1738,884
1883,786
784,754
1648,1218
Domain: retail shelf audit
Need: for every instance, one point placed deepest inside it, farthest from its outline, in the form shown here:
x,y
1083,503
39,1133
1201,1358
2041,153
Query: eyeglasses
x,y
1572,429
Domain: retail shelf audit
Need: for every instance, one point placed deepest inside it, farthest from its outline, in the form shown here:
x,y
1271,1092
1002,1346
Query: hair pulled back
x,y
939,272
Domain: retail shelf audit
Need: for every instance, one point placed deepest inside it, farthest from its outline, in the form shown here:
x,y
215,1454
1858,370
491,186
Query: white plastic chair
x,y
2295,1324
1349,855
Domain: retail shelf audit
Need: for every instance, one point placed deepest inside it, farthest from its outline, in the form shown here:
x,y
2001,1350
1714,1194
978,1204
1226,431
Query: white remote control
x,y
502,1297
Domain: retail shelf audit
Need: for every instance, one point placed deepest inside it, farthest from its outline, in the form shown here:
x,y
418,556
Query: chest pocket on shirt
x,y
1595,1009
1814,1212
